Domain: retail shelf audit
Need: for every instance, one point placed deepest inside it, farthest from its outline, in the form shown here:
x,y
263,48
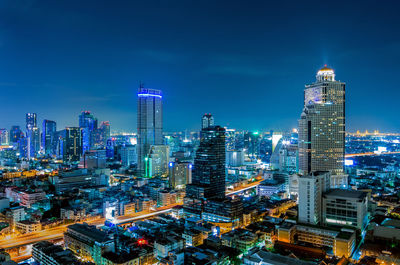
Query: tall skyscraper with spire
x,y
149,123
322,125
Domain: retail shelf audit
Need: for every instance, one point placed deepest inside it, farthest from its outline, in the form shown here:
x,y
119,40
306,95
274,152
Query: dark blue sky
x,y
244,61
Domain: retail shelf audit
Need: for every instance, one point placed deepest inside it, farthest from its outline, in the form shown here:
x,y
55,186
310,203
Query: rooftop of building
x,y
63,257
90,231
272,182
262,256
120,257
391,223
386,232
27,222
354,194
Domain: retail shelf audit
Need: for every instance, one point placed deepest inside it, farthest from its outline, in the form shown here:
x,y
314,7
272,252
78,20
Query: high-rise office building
x,y
252,144
208,178
49,143
88,124
311,187
207,121
33,137
72,144
322,125
209,163
103,133
128,154
32,134
180,174
4,137
15,134
31,120
149,123
156,162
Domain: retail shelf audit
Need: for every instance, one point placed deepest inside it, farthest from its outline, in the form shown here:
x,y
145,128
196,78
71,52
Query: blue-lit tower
x,y
49,141
149,123
88,125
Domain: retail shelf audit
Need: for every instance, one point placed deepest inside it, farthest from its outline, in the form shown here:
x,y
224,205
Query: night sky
x,y
246,62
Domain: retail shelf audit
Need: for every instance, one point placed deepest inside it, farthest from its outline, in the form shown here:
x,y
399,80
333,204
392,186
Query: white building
x,y
128,155
345,208
164,245
234,158
311,188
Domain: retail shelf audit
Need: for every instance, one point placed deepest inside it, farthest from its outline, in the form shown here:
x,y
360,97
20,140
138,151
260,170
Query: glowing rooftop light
x,y
149,95
326,74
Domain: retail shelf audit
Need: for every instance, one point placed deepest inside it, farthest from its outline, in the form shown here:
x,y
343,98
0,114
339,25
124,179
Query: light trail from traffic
x,y
372,154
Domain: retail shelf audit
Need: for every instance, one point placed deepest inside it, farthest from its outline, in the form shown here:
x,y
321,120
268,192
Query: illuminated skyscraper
x,y
103,133
31,120
180,174
72,144
322,125
252,144
49,129
149,123
208,179
15,134
209,163
88,124
207,120
4,137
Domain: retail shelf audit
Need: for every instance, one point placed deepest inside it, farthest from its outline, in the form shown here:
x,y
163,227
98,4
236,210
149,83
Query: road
x,y
371,154
58,232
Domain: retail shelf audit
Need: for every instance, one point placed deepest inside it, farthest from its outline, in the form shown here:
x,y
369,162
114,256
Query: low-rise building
x,y
163,246
46,253
345,208
240,239
193,238
87,242
26,226
342,241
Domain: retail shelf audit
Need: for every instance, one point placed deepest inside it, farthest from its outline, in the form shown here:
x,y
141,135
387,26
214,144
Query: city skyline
x,y
95,61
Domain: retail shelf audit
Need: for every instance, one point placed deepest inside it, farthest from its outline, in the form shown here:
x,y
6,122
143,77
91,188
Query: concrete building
x,y
15,214
128,155
166,244
270,187
4,137
93,159
87,242
46,253
156,162
235,158
345,208
4,203
180,174
80,178
26,226
311,188
341,241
